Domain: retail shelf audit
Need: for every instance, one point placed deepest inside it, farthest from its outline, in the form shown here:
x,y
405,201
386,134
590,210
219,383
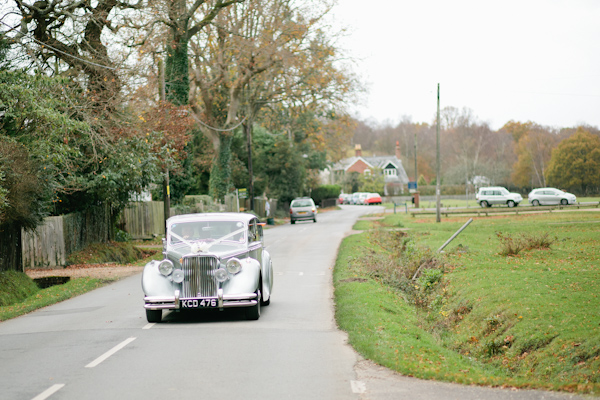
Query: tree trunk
x,y
220,174
248,130
178,80
11,256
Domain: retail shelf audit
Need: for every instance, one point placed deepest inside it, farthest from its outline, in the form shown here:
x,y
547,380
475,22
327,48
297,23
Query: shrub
x,y
325,192
122,236
511,246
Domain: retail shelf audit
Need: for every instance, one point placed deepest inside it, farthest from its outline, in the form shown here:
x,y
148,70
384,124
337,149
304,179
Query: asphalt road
x,y
99,346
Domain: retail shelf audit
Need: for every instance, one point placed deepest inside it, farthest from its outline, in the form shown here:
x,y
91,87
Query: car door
x,y
255,238
551,197
496,197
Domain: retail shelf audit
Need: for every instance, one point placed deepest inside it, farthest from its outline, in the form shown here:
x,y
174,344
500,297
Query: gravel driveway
x,y
99,271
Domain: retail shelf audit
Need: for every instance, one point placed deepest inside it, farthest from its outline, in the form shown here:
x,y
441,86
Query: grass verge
x,y
49,296
20,295
477,315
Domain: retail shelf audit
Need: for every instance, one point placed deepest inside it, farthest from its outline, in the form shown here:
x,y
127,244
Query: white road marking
x,y
150,325
358,387
110,353
49,392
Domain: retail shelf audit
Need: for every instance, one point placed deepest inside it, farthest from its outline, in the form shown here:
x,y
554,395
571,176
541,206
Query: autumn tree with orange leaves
x,y
575,163
256,57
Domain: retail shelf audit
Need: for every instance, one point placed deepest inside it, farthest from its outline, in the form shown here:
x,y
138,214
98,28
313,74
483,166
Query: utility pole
x,y
166,188
416,174
437,180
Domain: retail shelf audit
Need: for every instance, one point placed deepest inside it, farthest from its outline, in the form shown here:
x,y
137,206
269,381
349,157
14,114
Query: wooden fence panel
x,y
50,244
82,229
144,219
45,247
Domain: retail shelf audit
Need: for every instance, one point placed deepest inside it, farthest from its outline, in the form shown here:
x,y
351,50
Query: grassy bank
x,y
45,297
20,295
513,301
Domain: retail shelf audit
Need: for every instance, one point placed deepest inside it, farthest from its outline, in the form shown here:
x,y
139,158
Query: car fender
x,y
245,281
267,275
154,283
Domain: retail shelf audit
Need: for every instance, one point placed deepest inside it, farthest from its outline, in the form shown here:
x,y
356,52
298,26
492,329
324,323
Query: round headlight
x,y
165,267
234,266
178,276
221,275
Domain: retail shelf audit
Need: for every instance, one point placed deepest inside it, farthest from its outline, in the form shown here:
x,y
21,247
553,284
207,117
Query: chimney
x,y
357,150
398,149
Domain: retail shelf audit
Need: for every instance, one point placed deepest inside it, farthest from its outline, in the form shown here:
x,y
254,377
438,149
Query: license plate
x,y
301,212
199,303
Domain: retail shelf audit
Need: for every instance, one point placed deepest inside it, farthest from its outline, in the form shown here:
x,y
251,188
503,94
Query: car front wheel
x,y
564,202
511,203
253,312
154,315
484,204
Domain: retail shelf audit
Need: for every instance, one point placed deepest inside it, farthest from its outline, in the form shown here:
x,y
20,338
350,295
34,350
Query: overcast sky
x,y
525,60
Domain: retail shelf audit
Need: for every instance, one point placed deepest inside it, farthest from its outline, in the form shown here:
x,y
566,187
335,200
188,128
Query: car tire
x,y
510,203
484,204
253,312
315,220
154,316
292,221
564,202
535,203
265,303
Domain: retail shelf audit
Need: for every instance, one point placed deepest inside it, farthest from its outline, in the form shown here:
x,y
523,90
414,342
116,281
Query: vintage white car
x,y
213,260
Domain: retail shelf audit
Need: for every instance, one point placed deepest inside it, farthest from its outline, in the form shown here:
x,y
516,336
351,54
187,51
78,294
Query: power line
x,y
217,129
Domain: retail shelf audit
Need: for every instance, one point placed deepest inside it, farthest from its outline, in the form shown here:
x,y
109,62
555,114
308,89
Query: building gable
x,y
359,166
389,165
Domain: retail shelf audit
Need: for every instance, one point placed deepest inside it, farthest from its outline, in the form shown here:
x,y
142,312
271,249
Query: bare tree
x,y
73,37
258,53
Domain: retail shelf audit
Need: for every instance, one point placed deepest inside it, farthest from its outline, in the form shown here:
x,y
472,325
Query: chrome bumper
x,y
223,301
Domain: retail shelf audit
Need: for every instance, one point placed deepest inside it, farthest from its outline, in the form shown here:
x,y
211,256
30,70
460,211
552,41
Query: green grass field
x,y
526,320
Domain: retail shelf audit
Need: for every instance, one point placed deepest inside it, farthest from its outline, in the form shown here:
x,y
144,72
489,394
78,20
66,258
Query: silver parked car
x,y
549,196
488,196
211,261
303,208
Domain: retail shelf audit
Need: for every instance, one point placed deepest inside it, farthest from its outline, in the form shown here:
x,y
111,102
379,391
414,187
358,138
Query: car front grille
x,y
199,279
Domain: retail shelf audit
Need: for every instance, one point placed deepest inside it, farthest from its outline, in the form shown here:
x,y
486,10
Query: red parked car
x,y
373,198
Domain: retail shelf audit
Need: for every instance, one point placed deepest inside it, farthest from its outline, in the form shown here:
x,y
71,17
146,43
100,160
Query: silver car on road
x,y
302,209
211,261
549,196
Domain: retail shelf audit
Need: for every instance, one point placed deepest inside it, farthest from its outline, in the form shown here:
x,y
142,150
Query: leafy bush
x,y
122,236
325,192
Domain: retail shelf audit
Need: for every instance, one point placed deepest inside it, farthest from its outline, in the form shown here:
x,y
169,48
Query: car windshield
x,y
210,232
301,203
